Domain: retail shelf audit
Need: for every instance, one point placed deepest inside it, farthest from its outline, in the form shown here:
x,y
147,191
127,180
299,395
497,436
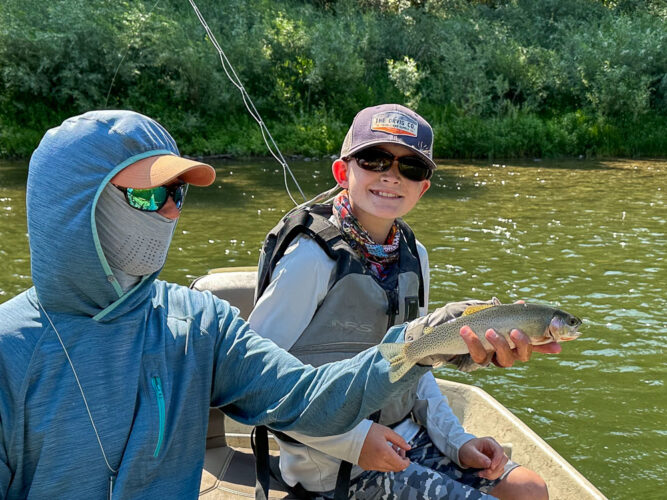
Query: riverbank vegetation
x,y
496,78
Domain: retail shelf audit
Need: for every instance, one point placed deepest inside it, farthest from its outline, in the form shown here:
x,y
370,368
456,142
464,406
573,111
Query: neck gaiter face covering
x,y
134,242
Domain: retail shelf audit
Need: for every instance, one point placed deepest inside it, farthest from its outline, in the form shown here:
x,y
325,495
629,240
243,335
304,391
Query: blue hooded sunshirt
x,y
150,361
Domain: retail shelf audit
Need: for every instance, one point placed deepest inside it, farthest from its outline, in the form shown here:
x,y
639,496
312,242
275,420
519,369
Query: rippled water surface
x,y
588,236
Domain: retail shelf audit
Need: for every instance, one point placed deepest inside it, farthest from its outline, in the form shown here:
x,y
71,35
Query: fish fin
x,y
464,363
392,352
399,365
473,309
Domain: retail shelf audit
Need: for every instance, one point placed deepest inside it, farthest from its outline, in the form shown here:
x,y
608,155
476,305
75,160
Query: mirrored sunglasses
x,y
153,199
413,168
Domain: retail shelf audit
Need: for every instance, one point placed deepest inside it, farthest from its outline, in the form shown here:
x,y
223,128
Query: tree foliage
x,y
496,77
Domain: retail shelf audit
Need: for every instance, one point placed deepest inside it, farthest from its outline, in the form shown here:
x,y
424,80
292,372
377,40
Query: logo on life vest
x,y
394,122
353,326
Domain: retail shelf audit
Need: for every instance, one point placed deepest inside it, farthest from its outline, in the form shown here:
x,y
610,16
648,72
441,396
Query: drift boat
x,y
229,467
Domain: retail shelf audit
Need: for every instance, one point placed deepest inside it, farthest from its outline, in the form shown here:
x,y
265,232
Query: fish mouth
x,y
559,336
561,330
565,338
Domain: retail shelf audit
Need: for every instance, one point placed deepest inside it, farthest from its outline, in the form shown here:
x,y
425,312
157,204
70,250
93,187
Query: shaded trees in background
x,y
497,78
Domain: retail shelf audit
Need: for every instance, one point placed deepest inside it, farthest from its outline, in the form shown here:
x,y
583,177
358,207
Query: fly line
x,y
250,106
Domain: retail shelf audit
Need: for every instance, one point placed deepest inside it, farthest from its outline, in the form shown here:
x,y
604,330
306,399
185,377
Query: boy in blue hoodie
x,y
106,373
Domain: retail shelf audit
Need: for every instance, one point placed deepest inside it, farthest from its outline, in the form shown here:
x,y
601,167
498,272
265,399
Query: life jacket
x,y
351,325
343,324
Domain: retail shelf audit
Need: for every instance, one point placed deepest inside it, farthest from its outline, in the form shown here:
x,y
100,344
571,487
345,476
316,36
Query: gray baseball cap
x,y
390,124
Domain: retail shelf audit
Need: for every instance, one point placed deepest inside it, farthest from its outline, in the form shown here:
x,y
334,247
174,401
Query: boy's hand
x,y
383,450
486,454
503,355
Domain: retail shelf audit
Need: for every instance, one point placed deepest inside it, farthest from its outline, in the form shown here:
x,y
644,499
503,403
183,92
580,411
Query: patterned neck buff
x,y
379,258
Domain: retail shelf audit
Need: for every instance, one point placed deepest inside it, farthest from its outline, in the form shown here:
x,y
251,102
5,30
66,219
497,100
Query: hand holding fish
x,y
436,338
502,354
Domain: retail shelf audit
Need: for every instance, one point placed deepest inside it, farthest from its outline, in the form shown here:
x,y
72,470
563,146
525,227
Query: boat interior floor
x,y
230,473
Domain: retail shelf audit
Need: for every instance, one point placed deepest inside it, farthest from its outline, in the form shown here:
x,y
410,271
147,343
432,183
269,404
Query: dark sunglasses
x,y
153,199
379,160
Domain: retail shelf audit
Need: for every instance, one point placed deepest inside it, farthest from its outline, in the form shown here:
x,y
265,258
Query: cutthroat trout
x,y
543,324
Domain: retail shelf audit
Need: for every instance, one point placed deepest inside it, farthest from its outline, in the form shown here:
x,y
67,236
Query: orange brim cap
x,y
163,169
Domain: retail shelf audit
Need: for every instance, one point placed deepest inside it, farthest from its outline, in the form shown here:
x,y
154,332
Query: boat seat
x,y
236,285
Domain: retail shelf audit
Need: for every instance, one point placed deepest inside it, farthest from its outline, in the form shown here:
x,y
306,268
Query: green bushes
x,y
496,78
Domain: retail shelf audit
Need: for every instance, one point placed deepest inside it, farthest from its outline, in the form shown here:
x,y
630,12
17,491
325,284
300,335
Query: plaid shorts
x,y
430,475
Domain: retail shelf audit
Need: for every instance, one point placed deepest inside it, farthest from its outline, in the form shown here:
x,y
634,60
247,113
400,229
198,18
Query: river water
x,y
587,236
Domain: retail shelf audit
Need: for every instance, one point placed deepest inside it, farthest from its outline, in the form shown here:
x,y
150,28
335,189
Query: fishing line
x,y
114,472
250,106
325,197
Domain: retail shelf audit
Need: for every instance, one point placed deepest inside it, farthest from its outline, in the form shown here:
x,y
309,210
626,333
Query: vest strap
x,y
259,439
265,467
284,437
343,481
410,239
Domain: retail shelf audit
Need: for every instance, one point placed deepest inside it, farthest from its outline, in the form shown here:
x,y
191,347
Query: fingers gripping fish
x,y
542,324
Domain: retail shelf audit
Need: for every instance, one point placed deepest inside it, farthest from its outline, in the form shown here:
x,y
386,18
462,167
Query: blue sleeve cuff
x,y
395,334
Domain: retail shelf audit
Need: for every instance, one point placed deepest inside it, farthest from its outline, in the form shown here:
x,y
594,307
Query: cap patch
x,y
394,122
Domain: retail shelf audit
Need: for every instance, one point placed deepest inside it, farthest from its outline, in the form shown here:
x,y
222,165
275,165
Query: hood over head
x,y
67,174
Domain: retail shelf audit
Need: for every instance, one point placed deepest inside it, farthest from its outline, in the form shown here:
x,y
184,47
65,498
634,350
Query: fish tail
x,y
399,365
